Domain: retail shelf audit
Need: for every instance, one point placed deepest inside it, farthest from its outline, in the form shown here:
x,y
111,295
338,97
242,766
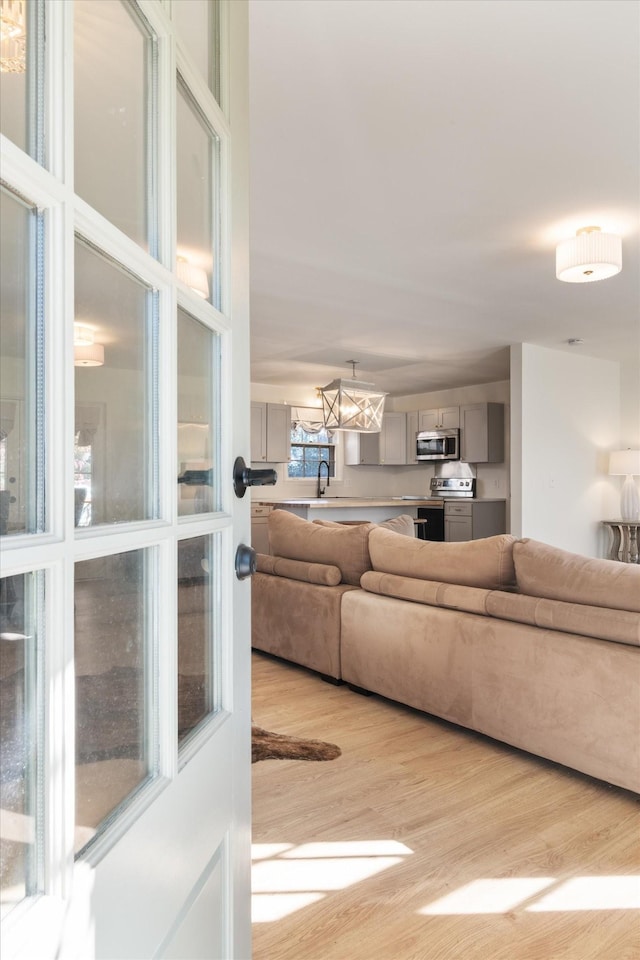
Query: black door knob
x,y
246,561
244,477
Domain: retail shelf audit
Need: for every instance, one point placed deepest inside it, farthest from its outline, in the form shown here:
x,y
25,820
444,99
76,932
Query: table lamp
x,y
626,463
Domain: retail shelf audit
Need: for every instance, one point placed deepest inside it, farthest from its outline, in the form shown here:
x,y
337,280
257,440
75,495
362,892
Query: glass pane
x,y
19,384
114,743
197,373
18,742
113,52
21,92
197,173
113,382
197,673
197,23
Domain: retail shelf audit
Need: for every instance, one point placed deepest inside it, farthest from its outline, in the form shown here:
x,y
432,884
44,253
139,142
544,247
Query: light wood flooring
x,y
430,842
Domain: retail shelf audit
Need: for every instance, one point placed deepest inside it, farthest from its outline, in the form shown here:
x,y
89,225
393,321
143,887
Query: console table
x,y
624,540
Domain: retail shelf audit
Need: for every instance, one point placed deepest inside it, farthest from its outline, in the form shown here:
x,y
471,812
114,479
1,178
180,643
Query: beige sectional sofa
x,y
529,644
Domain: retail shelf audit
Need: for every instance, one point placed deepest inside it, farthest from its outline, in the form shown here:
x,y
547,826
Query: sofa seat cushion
x,y
546,571
621,626
486,563
449,595
346,547
321,573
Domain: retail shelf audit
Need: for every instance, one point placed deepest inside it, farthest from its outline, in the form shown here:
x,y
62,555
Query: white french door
x,y
124,400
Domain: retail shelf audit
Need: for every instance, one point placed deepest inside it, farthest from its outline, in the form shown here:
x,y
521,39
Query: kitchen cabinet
x,y
473,519
441,418
387,447
482,432
412,430
270,432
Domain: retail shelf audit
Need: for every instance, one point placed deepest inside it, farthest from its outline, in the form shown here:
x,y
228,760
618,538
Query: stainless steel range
x,y
451,487
430,521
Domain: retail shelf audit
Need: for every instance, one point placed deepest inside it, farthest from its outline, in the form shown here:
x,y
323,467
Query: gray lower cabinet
x,y
473,519
259,527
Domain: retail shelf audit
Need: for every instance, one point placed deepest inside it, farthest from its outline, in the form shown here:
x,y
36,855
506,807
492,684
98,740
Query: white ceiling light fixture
x,y
352,405
82,335
86,353
590,255
89,356
626,463
13,36
193,277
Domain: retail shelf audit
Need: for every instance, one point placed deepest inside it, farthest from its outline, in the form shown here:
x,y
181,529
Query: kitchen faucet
x,y
320,490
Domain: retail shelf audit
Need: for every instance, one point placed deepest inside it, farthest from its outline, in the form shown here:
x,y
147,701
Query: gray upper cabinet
x,y
270,432
379,449
440,418
482,433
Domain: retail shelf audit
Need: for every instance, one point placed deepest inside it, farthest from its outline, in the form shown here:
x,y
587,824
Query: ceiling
x,y
413,165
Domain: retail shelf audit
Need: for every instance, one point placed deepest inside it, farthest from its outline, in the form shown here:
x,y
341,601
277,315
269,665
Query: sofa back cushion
x,y
484,563
346,547
546,571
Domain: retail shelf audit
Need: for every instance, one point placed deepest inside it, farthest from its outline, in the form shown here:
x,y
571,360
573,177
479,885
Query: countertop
x,y
337,502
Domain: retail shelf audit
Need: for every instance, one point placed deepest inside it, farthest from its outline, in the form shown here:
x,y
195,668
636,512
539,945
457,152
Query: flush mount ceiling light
x,y
89,356
82,336
590,255
86,353
193,277
352,405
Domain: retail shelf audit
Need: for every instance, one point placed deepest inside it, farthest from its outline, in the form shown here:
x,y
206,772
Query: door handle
x,y
244,477
246,561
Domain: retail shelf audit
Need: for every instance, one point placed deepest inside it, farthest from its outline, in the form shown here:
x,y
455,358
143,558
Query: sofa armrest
x,y
321,573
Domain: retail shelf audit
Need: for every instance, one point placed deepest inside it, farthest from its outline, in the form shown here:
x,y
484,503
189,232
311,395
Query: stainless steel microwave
x,y
438,444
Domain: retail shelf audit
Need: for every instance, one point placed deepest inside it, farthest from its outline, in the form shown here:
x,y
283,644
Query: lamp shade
x,y
352,405
590,255
624,463
90,355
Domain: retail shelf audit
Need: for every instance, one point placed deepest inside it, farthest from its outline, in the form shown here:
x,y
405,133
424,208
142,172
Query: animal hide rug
x,y
278,746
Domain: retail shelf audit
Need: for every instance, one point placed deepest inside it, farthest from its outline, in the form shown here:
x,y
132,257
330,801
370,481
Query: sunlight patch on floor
x,y
269,907
488,896
286,878
592,893
500,895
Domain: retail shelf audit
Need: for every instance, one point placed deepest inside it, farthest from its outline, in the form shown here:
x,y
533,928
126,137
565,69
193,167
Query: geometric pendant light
x,y
352,405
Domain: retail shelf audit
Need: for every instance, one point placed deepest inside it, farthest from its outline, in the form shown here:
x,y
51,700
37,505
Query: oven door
x,y
438,445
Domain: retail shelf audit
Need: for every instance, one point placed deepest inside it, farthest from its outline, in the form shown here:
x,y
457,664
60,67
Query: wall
x,y
630,399
566,416
365,481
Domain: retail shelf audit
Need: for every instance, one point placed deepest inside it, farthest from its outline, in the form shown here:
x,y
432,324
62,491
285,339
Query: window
x,y
310,444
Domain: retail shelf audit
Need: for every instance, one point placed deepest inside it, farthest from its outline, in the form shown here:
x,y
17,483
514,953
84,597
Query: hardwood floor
x,y
430,842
